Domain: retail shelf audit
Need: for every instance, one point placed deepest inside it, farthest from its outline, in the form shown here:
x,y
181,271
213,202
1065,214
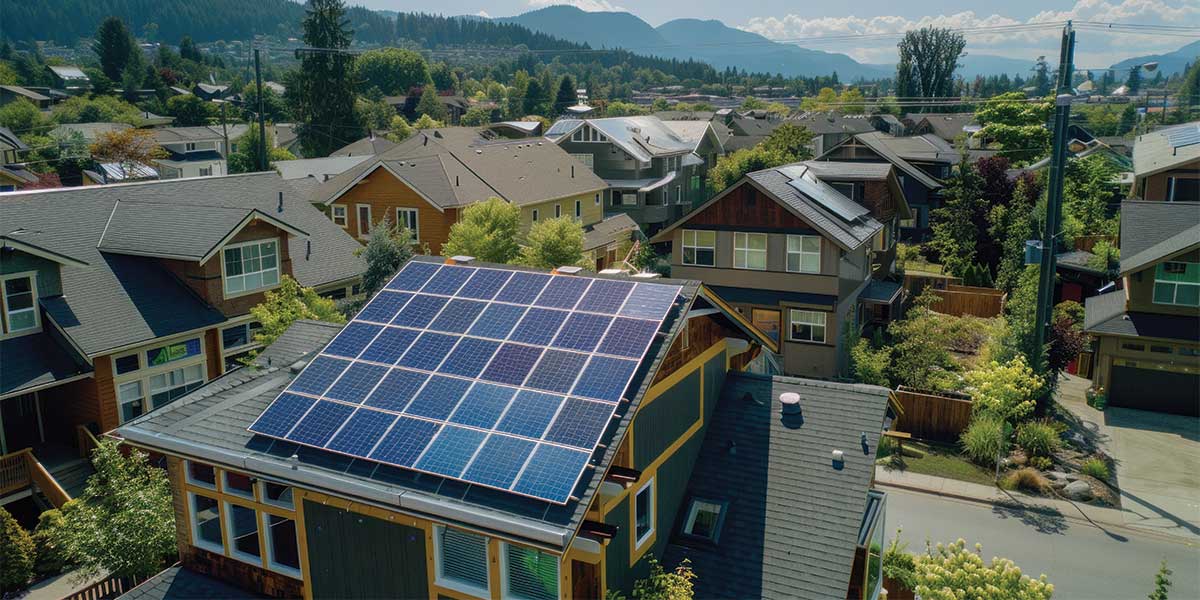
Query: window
x,y
409,218
239,335
202,475
704,519
643,513
189,147
131,400
557,211
535,215
277,494
750,251
172,352
1160,349
251,266
628,198
1177,283
597,199
679,194
364,219
338,214
807,326
167,387
694,183
578,209
206,171
804,254
529,574
20,304
699,248
127,364
1133,347
283,554
239,484
462,562
846,189
1180,189
587,159
766,321
206,523
243,533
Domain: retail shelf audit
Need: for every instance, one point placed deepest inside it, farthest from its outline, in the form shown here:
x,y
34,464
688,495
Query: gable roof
x,y
116,300
1153,231
1106,314
135,228
454,166
1166,148
824,123
946,126
613,229
68,72
876,141
197,133
320,168
791,519
368,146
642,137
694,132
27,93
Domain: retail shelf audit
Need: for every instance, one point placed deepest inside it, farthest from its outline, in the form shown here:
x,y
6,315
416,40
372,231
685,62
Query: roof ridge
x,y
27,193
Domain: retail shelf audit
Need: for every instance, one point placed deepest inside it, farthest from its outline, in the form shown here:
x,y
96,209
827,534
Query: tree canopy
x,y
388,248
928,58
288,303
553,243
321,93
489,231
393,70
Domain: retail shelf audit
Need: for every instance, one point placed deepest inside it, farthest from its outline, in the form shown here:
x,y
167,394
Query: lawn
x,y
940,460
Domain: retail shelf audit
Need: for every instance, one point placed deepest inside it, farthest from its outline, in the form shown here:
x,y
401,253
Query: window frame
x,y
225,473
558,210
278,268
465,587
1172,187
342,220
505,593
788,252
689,519
364,230
416,219
121,401
194,524
626,195
227,510
268,546
6,315
579,210
824,324
533,215
645,539
1160,268
266,499
678,194
695,247
148,371
746,250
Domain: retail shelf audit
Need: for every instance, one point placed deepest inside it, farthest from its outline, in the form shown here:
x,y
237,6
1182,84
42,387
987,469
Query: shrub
x,y
1026,479
1005,390
51,558
665,585
16,553
1095,467
899,564
1041,463
1038,438
985,439
947,571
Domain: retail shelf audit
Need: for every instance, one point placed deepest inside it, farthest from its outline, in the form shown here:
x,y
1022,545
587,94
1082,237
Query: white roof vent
x,y
790,402
611,271
463,260
647,275
568,270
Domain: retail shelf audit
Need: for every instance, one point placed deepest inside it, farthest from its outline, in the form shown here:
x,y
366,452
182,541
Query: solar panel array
x,y
1184,135
506,379
807,183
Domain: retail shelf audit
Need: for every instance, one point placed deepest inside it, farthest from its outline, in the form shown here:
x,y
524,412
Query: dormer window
x,y
250,266
20,304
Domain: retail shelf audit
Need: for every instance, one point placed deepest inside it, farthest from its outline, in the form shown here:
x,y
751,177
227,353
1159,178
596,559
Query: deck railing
x,y
21,469
85,440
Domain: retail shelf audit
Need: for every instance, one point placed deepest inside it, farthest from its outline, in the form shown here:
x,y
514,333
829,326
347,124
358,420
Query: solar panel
x,y
1184,135
805,182
500,378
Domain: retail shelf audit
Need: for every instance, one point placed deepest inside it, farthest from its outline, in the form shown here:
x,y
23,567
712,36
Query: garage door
x,y
1161,391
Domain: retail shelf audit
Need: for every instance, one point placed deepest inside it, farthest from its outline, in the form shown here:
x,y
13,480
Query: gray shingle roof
x,y
946,126
180,583
368,146
117,300
642,137
1106,314
822,123
848,234
882,144
849,171
320,168
1151,231
792,521
198,133
615,228
34,360
1154,152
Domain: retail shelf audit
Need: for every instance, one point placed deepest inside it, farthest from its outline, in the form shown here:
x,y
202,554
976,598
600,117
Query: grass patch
x,y
940,460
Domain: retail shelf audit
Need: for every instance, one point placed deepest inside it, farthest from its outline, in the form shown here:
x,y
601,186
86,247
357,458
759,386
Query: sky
x,y
808,22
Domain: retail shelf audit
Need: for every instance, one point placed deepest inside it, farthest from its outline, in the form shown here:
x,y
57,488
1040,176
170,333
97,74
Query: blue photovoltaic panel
x,y
484,284
580,423
412,276
500,378
458,316
582,332
384,307
523,288
563,292
605,296
497,321
448,280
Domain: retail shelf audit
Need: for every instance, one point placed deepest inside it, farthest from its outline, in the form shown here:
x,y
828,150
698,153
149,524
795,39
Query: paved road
x,y
1082,560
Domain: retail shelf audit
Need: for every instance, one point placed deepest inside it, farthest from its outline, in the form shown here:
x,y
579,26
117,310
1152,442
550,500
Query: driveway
x,y
1157,456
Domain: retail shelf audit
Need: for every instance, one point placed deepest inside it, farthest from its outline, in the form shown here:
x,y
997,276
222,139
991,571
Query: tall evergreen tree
x,y
188,49
954,224
1134,83
430,105
928,58
565,96
115,47
321,93
1041,77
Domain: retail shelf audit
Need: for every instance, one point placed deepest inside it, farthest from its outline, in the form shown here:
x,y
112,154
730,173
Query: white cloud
x,y
584,5
484,14
1094,48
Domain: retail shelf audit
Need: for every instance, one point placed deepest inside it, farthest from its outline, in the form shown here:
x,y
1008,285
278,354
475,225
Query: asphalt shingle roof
x,y
34,360
884,146
1151,231
792,521
368,146
612,229
1106,314
946,126
1154,152
849,234
181,583
822,123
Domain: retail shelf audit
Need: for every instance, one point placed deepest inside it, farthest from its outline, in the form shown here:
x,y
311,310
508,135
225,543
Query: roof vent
x,y
568,270
839,459
297,366
790,402
611,272
478,151
280,208
307,249
646,275
463,259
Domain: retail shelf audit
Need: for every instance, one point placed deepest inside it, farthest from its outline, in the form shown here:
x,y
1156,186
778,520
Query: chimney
x,y
790,402
280,208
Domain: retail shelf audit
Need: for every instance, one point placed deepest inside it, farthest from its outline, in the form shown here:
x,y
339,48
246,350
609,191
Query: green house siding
x,y
48,281
356,556
664,420
618,575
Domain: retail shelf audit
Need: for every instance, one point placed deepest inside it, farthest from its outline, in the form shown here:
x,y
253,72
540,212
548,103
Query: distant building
x,y
11,93
196,151
1166,164
70,78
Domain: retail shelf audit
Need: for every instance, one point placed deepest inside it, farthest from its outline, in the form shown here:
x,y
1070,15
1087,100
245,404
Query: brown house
x,y
427,180
142,295
1166,164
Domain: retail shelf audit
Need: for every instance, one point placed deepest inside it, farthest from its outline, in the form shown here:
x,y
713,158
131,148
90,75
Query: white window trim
x,y
824,324
261,485
340,220
557,211
363,233
416,229
122,402
278,268
789,252
227,523
194,523
187,475
225,487
641,541
598,200
504,591
625,195
679,194
1175,294
459,586
268,548
747,250
37,316
696,246
146,371
693,509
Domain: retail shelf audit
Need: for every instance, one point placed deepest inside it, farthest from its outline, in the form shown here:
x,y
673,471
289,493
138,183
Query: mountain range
x,y
1171,62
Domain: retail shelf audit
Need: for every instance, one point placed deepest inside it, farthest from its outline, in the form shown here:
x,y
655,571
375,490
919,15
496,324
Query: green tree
x,y
1041,77
1134,83
127,148
188,110
1129,119
928,58
430,106
1090,185
275,109
288,303
663,585
534,100
188,50
321,92
124,522
96,109
1013,225
792,142
475,117
660,104
392,70
1162,582
245,159
399,129
553,243
387,250
374,115
1003,390
617,108
1189,90
23,118
920,350
1019,311
951,572
565,96
730,168
116,47
488,230
1016,126
870,364
955,228
851,101
752,103
16,553
426,122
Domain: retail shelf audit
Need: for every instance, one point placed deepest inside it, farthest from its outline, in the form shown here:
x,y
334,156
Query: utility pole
x,y
225,130
262,124
1054,193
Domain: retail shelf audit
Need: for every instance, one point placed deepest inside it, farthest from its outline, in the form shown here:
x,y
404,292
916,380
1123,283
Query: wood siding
x,y
1154,187
1140,290
384,194
357,556
745,208
591,212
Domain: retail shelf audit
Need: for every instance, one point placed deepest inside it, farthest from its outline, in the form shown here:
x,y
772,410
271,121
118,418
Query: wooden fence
x,y
931,416
1087,242
105,589
959,300
915,282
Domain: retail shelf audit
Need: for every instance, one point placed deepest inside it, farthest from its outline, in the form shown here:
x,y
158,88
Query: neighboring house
x,y
90,131
10,93
607,243
566,503
426,181
885,123
1166,164
517,129
194,151
207,91
120,299
739,131
655,175
832,128
791,254
11,147
368,146
1147,335
70,79
111,172
286,138
306,175
579,111
947,126
15,177
406,106
922,164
